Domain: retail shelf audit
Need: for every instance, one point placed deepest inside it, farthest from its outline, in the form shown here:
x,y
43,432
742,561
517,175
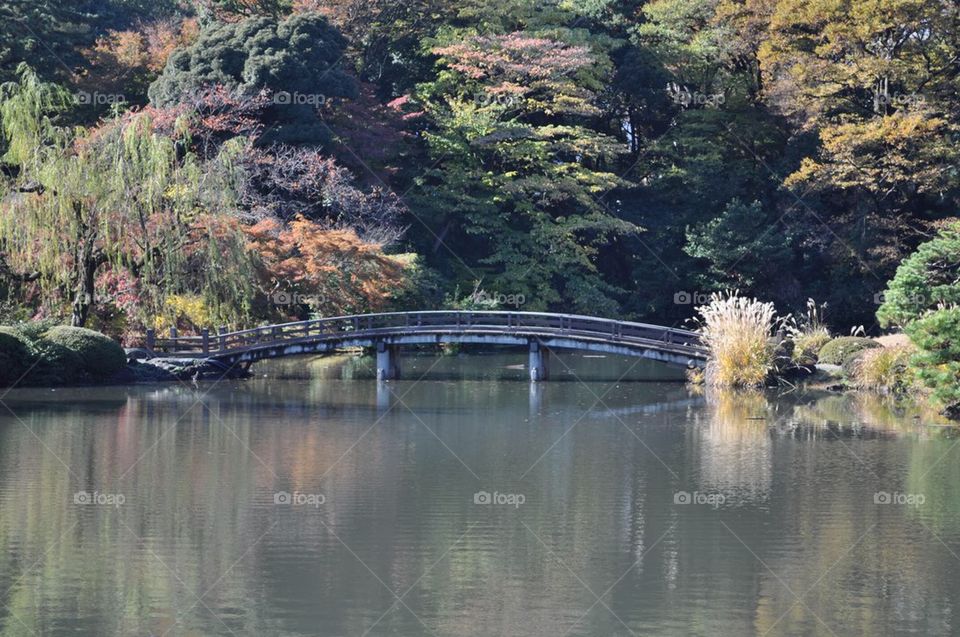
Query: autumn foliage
x,y
333,271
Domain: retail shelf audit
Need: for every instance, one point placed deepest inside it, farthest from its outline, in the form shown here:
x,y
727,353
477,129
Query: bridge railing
x,y
430,321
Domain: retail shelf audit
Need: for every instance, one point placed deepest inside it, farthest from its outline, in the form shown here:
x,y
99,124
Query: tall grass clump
x,y
809,333
737,330
885,370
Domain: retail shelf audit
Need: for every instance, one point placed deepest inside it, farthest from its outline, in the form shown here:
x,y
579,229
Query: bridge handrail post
x,y
173,339
151,339
205,337
221,331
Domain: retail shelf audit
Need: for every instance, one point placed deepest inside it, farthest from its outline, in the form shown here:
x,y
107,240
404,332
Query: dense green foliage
x,y
518,169
937,336
15,357
619,158
55,364
836,351
923,299
296,59
100,357
44,354
926,280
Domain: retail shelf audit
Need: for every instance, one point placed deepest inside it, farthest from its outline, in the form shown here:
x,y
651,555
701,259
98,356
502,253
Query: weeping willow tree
x,y
120,196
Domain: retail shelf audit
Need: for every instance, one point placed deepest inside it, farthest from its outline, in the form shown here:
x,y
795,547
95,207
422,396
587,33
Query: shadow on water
x,y
486,364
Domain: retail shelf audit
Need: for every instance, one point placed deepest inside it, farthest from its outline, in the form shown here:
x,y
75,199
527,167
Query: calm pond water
x,y
311,501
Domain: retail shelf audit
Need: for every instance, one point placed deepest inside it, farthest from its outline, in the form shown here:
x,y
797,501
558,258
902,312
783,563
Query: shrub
x,y
15,357
836,350
923,298
32,331
737,332
885,369
100,356
56,364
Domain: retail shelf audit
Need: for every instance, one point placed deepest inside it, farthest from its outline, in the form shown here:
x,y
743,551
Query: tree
x,y
48,33
926,280
296,59
286,182
234,9
123,63
52,35
331,271
388,37
937,337
280,181
743,245
703,144
119,196
875,83
519,167
923,298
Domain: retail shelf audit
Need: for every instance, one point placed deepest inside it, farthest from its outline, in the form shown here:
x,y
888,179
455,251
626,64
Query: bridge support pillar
x,y
388,361
539,362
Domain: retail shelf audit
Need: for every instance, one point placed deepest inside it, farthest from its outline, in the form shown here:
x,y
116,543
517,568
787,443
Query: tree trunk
x,y
88,259
84,295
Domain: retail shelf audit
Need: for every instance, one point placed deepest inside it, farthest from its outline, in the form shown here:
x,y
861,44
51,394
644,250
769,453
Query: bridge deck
x,y
564,330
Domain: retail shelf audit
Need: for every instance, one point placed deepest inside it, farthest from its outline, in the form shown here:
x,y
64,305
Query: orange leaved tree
x,y
324,270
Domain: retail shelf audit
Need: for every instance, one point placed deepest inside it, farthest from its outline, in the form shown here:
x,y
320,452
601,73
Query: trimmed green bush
x,y
58,365
99,356
33,331
836,350
15,357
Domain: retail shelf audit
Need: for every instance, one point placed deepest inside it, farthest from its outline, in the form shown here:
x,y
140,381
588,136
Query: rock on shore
x,y
148,370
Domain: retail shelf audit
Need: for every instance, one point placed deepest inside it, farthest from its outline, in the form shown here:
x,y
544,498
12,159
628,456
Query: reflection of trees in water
x,y
128,568
734,445
865,566
934,472
199,499
862,415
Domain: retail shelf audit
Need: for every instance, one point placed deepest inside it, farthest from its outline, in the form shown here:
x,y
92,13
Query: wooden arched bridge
x,y
540,332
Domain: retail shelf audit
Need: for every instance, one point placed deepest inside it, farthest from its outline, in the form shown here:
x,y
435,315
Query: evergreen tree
x,y
297,59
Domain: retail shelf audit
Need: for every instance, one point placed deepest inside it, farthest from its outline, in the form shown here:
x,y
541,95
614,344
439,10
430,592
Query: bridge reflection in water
x,y
388,332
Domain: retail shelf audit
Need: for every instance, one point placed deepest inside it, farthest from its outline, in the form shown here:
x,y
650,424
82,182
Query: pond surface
x,y
311,501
